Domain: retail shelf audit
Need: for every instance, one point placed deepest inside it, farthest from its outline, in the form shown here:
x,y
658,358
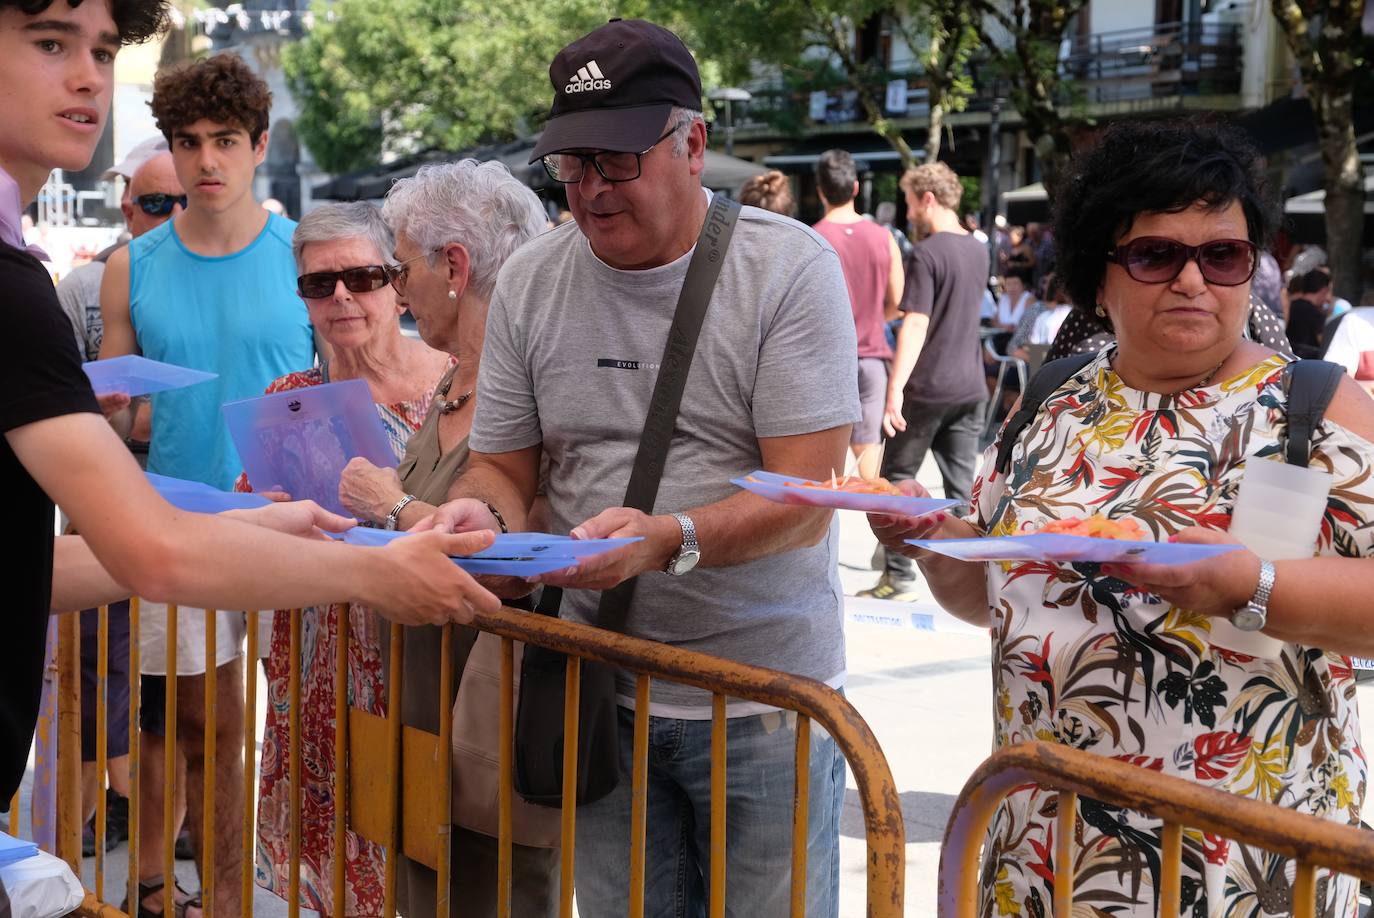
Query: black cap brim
x,y
620,130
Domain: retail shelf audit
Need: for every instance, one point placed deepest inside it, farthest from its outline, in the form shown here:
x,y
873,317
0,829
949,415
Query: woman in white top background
x,y
1014,300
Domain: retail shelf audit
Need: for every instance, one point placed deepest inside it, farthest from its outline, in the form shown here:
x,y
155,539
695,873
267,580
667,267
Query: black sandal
x,y
157,884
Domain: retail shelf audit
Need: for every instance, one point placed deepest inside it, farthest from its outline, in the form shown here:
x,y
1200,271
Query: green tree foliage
x,y
809,42
1327,41
1029,59
944,36
395,76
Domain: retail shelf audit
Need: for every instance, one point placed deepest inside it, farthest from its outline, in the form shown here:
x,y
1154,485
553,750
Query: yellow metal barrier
x,y
1311,841
392,782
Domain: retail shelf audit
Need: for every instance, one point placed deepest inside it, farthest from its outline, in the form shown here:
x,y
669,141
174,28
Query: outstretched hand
x,y
299,518
661,537
420,584
1214,586
892,530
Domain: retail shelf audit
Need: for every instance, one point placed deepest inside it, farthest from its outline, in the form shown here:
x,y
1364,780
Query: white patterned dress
x,y
1084,660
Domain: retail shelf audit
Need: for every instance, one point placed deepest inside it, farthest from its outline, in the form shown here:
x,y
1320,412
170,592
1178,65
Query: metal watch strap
x,y
689,539
1254,615
1265,588
394,516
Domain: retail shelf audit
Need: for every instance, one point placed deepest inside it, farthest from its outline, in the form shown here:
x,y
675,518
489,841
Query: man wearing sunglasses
x,y
151,191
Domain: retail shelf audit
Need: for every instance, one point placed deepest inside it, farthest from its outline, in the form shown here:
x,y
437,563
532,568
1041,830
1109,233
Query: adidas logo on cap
x,y
588,77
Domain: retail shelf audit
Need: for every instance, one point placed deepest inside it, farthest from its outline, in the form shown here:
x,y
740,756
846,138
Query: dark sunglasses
x,y
159,204
1158,260
363,279
568,168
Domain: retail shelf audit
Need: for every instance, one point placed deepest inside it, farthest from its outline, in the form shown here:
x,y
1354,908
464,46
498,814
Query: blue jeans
x,y
760,760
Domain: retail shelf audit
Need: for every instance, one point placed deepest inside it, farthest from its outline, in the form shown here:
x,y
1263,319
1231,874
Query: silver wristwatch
x,y
687,556
395,515
1253,615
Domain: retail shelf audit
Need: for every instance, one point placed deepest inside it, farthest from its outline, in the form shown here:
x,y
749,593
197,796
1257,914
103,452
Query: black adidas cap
x,y
613,88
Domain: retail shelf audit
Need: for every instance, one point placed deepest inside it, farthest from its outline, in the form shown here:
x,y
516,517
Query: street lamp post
x,y
729,95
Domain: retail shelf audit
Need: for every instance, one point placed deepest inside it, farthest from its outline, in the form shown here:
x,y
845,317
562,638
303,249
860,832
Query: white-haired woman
x,y
343,256
455,224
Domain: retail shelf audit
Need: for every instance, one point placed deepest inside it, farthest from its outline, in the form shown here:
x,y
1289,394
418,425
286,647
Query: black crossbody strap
x,y
1042,385
1311,385
697,287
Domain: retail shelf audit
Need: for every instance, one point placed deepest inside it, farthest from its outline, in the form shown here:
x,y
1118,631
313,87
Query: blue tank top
x,y
236,315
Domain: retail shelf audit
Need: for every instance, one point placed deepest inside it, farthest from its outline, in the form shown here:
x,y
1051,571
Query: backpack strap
x,y
1310,385
1042,385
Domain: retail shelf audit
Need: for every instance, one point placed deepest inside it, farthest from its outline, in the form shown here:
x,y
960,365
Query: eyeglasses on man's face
x,y
568,167
363,279
159,204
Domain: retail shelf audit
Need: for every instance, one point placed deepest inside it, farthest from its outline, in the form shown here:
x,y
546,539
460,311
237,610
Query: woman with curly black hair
x,y
1158,228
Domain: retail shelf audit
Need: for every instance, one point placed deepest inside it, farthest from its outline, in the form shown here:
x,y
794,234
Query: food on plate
x,y
1096,526
849,484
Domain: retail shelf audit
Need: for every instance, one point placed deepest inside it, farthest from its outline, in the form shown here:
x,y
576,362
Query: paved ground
x,y
926,693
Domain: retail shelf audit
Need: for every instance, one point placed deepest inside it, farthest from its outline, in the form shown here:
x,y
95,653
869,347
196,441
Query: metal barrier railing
x,y
1313,842
375,757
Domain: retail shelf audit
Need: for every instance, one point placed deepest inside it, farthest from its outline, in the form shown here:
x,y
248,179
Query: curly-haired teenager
x,y
56,81
213,288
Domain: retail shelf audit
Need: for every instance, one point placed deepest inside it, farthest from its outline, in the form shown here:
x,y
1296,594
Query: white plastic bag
x,y
42,886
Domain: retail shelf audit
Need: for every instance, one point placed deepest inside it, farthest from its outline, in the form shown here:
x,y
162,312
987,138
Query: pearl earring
x,y
1101,313
453,294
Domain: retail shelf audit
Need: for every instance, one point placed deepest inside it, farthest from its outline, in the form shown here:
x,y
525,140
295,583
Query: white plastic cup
x,y
1277,515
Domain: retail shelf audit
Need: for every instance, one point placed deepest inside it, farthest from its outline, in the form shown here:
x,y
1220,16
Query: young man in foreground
x,y
56,79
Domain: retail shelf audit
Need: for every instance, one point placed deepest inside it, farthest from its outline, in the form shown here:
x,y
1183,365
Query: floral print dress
x,y
366,862
1087,661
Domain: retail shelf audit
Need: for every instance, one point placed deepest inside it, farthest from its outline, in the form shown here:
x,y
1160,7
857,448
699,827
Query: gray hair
x,y
678,117
344,221
477,204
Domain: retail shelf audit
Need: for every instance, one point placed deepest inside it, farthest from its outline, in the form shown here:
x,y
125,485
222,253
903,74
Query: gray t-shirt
x,y
79,294
571,356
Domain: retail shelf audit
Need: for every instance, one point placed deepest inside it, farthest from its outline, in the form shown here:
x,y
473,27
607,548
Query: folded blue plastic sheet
x,y
1069,548
197,497
299,441
788,489
135,375
516,554
14,849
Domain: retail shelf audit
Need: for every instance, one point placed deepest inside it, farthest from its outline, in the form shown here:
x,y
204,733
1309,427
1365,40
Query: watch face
x,y
684,562
1248,618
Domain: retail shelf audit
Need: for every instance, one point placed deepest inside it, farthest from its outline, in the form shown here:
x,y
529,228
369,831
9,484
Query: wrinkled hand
x,y
462,515
113,403
420,585
299,518
662,536
893,531
893,422
467,515
369,491
1213,586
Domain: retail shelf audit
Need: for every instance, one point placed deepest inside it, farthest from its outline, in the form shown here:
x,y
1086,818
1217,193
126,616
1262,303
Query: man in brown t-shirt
x,y
936,395
872,266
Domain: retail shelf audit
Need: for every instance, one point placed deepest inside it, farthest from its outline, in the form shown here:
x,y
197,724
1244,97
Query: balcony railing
x,y
1166,60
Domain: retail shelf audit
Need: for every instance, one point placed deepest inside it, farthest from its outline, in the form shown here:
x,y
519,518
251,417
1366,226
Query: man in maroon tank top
x,y
872,267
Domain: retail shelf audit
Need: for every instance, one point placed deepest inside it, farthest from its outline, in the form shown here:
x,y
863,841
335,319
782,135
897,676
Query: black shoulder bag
x,y
539,717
